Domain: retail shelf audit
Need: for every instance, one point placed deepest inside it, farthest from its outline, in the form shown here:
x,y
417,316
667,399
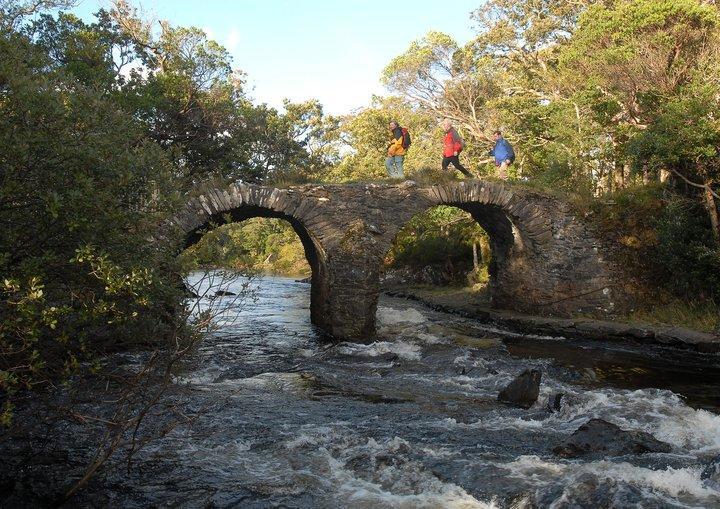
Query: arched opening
x,y
256,246
464,250
261,240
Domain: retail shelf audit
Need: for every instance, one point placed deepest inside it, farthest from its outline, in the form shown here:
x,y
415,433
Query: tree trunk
x,y
619,176
476,266
712,211
627,170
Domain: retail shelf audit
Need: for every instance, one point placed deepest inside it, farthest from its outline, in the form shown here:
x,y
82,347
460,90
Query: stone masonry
x,y
545,260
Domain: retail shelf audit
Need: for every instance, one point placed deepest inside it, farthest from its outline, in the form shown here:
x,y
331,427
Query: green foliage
x,y
685,136
259,244
103,127
77,172
441,235
687,256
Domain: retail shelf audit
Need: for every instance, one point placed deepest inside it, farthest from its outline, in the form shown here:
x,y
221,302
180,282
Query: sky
x,y
332,50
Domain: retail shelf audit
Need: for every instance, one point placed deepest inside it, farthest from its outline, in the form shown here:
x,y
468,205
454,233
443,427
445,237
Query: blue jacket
x,y
502,151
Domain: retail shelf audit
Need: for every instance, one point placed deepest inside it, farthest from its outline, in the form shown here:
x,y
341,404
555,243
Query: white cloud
x,y
232,41
210,33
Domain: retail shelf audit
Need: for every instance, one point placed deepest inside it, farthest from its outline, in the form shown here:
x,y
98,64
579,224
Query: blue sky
x,y
332,50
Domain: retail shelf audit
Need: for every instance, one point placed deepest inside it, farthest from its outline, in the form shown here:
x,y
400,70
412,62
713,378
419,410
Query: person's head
x,y
393,125
446,124
497,135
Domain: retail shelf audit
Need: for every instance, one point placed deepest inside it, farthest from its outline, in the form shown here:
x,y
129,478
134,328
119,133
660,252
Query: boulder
x,y
223,293
523,391
598,438
556,402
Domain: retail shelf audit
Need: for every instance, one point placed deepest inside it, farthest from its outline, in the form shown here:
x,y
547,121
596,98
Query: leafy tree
x,y
441,236
81,192
684,138
435,74
14,12
258,244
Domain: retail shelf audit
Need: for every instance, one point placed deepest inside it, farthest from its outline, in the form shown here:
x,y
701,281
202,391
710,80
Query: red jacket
x,y
452,143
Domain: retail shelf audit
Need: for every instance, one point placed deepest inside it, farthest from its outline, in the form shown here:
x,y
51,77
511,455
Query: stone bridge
x,y
545,259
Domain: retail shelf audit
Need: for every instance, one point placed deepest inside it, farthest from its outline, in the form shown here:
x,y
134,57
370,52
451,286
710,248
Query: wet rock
x,y
523,391
598,438
556,402
223,293
306,280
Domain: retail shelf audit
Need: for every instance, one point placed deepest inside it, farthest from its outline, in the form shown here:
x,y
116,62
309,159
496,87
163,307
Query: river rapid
x,y
412,420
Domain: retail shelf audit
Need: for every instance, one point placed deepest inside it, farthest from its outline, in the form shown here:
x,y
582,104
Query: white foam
x,y
673,482
391,316
365,495
399,487
660,413
402,349
430,339
698,430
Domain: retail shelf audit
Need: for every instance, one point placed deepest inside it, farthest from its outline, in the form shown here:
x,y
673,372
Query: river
x,y
412,420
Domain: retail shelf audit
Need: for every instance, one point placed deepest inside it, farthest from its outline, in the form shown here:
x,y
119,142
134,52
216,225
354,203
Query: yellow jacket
x,y
396,145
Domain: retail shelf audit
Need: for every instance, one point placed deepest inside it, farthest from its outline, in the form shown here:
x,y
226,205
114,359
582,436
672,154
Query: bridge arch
x,y
235,204
545,259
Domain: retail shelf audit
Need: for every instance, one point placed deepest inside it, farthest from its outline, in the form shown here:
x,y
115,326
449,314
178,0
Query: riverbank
x,y
464,303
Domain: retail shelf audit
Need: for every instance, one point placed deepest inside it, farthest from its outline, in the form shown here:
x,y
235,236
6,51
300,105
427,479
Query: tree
x,y
14,12
445,80
81,192
684,138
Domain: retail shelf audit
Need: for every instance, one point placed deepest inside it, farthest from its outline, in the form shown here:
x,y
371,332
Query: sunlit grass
x,y
703,316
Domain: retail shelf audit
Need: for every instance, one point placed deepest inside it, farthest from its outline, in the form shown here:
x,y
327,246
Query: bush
x,y
687,255
81,193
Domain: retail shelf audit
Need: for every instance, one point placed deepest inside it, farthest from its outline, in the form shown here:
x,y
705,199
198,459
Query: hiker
x,y
452,146
503,153
396,151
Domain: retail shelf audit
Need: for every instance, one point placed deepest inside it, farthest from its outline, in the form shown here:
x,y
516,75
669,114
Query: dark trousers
x,y
455,160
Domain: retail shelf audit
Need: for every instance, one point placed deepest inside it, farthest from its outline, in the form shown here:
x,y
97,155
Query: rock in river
x,y
523,391
556,402
223,293
599,438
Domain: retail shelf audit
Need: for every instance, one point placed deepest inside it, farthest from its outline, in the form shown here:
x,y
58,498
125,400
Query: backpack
x,y
462,142
406,141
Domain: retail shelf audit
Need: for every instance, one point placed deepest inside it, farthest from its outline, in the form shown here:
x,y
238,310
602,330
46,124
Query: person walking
x,y
396,151
503,153
452,146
